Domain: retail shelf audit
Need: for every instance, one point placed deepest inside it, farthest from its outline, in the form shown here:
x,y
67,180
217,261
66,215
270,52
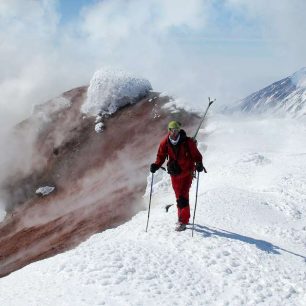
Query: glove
x,y
154,167
199,167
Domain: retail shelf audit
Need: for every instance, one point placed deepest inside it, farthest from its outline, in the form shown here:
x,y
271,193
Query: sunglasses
x,y
174,130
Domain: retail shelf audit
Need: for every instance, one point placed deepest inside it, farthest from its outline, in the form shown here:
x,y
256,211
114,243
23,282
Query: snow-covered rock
x,y
111,89
45,190
99,127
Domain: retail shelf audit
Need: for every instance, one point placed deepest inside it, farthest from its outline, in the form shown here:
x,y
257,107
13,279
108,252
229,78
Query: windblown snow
x,y
249,244
111,89
299,78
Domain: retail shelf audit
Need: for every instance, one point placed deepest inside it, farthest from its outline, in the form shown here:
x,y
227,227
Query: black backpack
x,y
173,167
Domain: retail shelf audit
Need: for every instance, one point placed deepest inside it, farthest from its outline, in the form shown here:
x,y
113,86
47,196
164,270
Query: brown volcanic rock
x,y
99,177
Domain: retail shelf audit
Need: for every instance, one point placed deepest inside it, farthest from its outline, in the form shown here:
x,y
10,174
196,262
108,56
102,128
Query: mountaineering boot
x,y
180,227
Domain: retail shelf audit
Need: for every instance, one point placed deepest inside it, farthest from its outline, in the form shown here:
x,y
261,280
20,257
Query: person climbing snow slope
x,y
183,159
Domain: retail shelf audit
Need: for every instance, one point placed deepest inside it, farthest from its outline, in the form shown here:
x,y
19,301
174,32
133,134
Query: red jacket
x,y
185,152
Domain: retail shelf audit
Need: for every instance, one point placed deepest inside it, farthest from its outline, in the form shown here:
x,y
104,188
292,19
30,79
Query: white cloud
x,y
282,21
119,19
180,48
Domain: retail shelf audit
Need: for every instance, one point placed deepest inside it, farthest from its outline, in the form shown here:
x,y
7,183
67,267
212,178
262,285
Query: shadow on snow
x,y
260,244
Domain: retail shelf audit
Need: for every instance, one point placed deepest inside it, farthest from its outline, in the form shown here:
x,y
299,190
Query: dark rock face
x,y
99,178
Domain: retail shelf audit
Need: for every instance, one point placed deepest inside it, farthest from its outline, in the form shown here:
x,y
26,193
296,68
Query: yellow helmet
x,y
174,125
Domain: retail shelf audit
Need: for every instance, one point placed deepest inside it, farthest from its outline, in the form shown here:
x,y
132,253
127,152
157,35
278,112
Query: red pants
x,y
181,185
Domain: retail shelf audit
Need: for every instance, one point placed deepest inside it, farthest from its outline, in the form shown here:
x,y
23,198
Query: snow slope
x,y
249,244
285,98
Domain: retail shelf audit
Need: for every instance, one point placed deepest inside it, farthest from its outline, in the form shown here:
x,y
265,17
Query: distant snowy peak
x,y
286,97
111,89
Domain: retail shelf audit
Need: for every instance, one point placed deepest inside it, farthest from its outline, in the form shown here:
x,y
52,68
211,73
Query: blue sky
x,y
220,48
70,9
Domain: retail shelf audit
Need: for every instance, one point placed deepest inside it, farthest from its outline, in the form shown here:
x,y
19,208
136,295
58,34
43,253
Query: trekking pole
x,y
210,102
195,205
150,202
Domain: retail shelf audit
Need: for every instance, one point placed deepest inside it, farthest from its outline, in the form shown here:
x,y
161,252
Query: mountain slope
x,y
284,97
249,244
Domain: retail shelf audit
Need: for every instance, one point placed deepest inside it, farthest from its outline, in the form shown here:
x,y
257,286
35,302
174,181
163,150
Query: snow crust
x,y
249,244
111,89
